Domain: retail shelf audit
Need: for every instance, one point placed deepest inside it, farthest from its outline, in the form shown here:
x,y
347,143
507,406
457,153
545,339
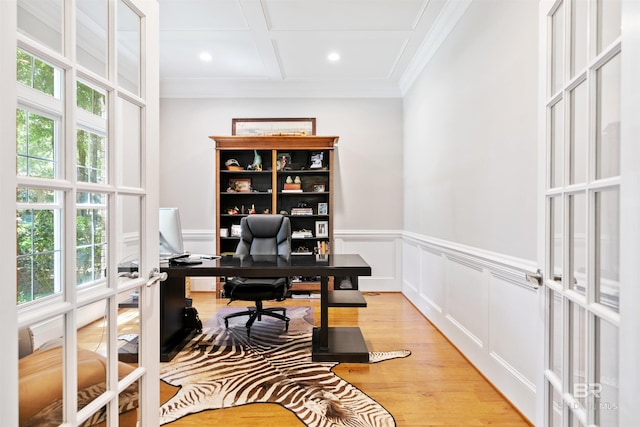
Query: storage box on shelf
x,y
277,174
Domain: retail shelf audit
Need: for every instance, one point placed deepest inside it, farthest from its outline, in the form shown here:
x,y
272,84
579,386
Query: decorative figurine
x,y
257,162
297,180
289,180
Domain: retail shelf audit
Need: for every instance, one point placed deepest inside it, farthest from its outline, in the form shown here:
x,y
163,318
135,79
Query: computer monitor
x,y
170,232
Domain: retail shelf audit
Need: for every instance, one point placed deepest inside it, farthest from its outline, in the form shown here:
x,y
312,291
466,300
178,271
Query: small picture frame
x,y
318,187
323,208
240,185
224,232
322,228
236,230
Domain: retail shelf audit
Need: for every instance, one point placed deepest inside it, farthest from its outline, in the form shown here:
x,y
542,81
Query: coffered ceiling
x,y
281,47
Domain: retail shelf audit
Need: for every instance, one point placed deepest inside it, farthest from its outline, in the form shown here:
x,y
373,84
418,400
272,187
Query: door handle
x,y
535,279
156,276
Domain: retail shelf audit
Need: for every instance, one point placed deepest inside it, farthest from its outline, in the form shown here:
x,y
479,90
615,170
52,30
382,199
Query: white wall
x,y
470,144
470,133
369,157
367,172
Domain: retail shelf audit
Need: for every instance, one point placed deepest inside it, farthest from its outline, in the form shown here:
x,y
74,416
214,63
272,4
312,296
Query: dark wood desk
x,y
340,344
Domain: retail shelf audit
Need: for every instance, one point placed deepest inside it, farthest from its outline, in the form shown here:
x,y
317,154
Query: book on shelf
x,y
301,211
323,247
301,234
292,191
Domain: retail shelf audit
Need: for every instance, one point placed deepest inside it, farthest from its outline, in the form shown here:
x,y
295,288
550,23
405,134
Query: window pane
x,y
578,203
608,120
91,100
91,162
37,74
555,412
556,238
555,328
129,244
131,148
35,145
557,48
128,48
609,22
608,248
42,21
556,148
38,235
91,32
579,133
607,376
577,343
579,36
91,237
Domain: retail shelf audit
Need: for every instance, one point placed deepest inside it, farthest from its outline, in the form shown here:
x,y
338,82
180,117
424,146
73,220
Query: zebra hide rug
x,y
222,368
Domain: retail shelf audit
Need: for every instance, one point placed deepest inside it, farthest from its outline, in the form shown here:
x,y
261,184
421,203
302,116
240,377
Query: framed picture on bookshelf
x,y
322,228
318,188
276,126
323,208
240,185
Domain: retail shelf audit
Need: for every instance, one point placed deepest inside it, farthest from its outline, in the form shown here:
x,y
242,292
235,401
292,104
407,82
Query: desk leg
x,y
324,314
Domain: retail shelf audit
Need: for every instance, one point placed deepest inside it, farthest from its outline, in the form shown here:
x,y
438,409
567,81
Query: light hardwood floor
x,y
435,386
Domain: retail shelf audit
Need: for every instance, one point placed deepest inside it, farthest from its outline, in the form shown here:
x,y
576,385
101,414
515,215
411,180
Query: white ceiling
x,y
280,47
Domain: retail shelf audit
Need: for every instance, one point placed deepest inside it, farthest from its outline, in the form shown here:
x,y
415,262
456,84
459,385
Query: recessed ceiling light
x,y
333,56
206,56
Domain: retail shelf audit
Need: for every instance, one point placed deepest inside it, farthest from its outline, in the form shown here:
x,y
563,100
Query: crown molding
x,y
447,20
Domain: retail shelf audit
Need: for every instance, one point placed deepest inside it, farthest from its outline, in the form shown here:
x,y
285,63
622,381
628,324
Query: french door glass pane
x,y
38,243
579,142
609,22
578,252
608,120
555,411
91,237
577,343
579,25
608,248
40,370
130,151
36,137
93,346
128,48
92,156
41,20
556,331
556,238
556,152
38,74
607,375
557,48
91,34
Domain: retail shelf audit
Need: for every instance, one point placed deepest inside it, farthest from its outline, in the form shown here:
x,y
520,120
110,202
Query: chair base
x,y
256,313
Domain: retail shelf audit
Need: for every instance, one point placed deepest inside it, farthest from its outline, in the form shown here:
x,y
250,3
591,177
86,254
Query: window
x,y
38,218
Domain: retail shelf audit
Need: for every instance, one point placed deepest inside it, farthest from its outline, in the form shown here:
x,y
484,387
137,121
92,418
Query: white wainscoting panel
x,y
483,304
381,249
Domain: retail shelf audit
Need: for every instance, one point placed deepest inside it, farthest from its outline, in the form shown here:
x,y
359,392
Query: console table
x,y
339,344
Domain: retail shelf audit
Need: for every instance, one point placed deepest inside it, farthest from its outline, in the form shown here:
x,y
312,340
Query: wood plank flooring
x,y
435,386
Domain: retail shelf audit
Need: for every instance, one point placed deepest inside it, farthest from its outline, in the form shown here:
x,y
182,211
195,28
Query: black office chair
x,y
266,236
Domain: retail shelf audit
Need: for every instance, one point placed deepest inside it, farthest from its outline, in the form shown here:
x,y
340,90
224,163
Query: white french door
x,y
84,121
588,250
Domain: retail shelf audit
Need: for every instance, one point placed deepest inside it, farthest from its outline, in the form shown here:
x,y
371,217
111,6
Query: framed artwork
x,y
323,208
239,185
322,228
266,126
318,188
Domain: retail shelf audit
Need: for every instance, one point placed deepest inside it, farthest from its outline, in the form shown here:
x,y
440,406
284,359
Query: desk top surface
x,y
267,266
